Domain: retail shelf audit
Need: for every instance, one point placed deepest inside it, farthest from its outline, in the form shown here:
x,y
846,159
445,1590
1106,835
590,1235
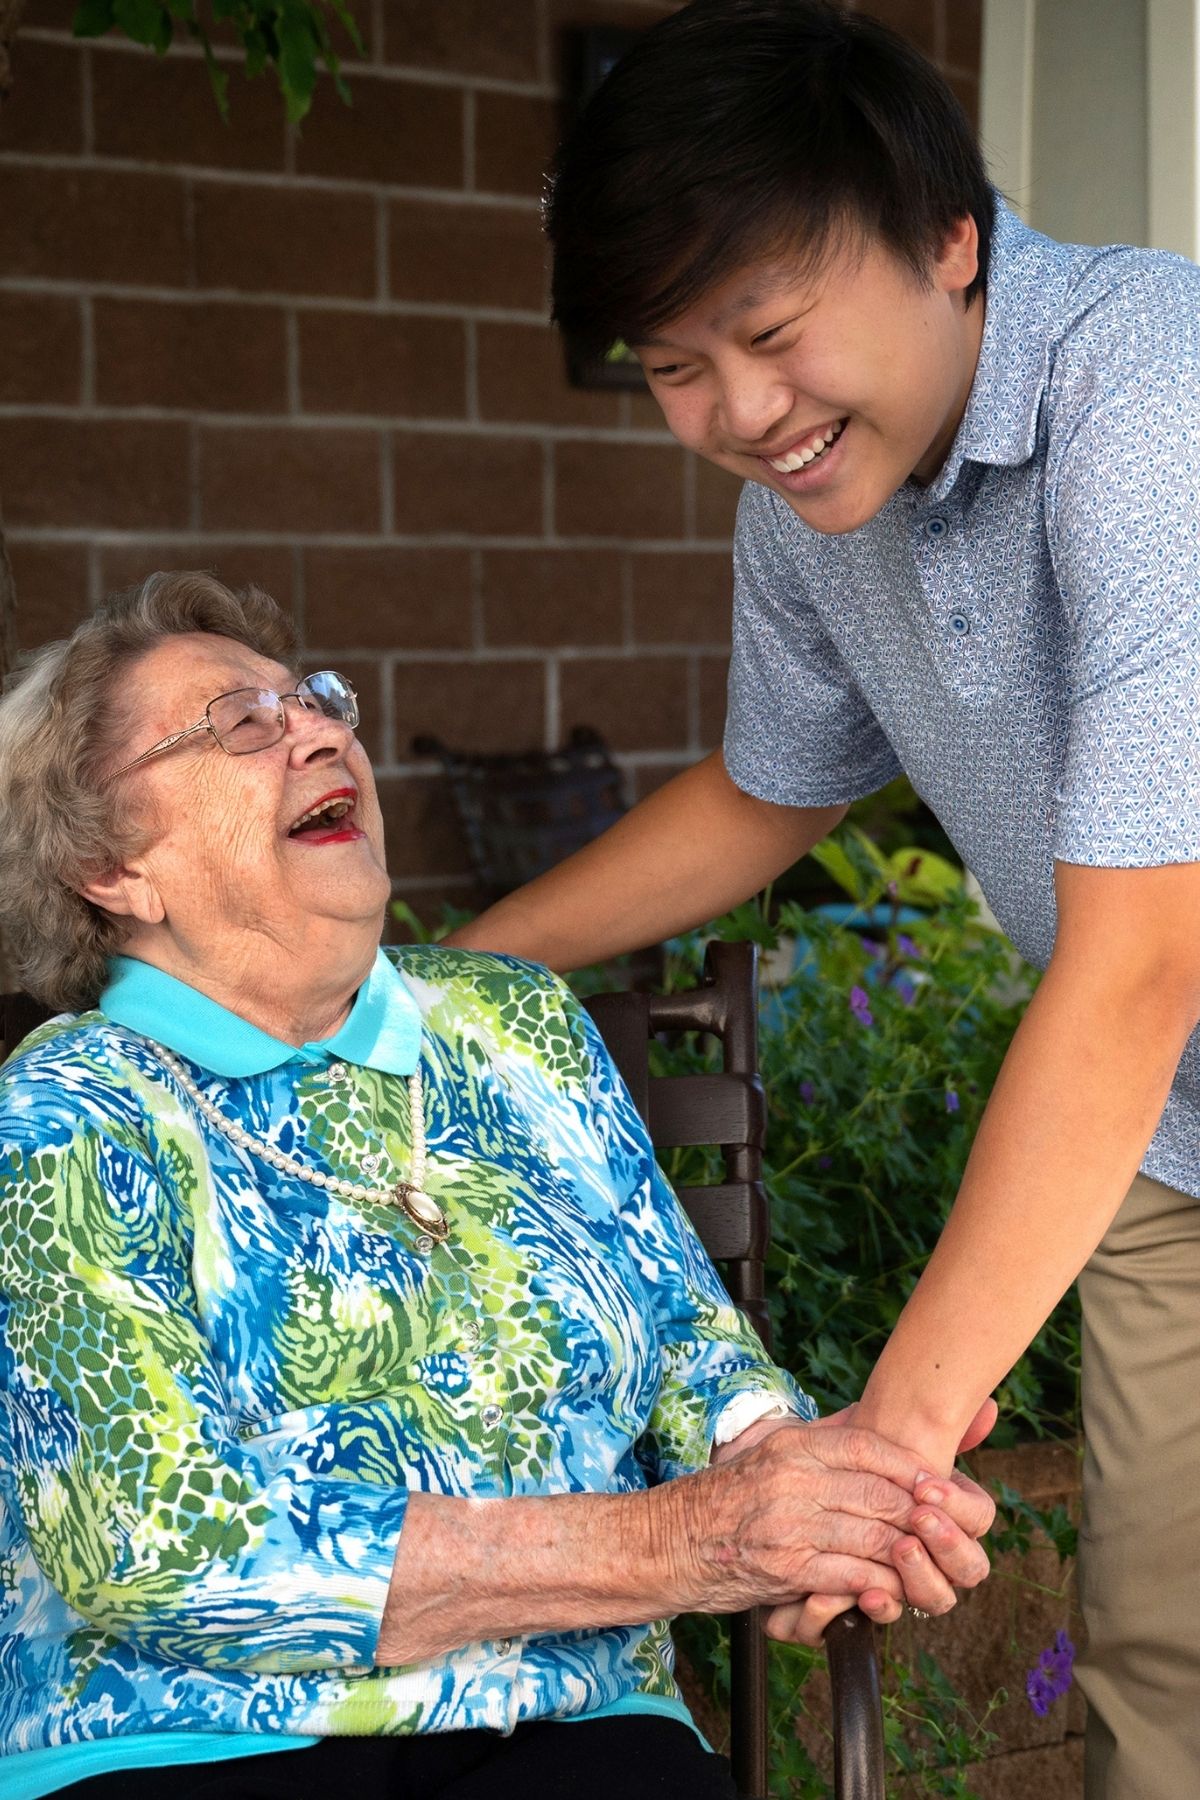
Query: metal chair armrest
x,y
857,1708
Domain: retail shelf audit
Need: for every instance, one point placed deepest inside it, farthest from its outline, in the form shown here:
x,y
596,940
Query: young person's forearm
x,y
1075,1105
696,847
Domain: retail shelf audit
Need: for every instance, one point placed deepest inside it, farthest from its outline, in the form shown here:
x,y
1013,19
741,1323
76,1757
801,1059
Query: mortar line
x,y
87,100
273,181
291,331
472,369
553,719
87,351
383,228
468,141
387,485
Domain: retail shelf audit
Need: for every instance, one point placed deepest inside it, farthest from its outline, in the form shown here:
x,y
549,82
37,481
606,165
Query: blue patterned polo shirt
x,y
1021,637
218,1383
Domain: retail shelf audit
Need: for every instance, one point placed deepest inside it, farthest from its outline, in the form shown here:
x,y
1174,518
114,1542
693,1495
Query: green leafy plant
x,y
293,37
878,1054
910,875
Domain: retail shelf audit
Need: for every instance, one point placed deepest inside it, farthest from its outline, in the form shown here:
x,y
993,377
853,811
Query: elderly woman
x,y
367,1399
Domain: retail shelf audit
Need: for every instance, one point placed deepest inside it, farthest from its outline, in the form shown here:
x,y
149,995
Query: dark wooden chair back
x,y
19,1015
522,813
732,1219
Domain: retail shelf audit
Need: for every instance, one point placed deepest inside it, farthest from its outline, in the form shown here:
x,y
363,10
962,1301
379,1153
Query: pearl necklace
x,y
408,1195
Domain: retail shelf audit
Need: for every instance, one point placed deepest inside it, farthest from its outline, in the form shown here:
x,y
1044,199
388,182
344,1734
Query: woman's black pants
x,y
636,1757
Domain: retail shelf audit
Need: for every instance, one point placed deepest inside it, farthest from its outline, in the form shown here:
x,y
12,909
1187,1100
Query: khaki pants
x,y
1140,1544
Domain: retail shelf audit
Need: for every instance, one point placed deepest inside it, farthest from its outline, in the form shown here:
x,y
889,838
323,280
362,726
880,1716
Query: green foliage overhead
x,y
292,37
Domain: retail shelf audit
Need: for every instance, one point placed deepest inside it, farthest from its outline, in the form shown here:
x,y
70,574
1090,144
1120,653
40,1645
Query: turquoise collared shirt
x,y
383,1031
559,1175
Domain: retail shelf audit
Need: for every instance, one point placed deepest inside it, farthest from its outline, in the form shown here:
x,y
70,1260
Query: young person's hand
x,y
805,1502
962,1502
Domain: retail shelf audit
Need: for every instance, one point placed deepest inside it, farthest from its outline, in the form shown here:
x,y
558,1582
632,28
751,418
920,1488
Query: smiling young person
x,y
968,548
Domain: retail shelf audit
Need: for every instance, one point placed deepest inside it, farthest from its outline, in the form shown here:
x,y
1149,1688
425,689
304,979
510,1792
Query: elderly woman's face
x,y
226,850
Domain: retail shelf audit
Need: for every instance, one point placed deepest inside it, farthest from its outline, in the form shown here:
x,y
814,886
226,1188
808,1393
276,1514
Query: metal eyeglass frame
x,y
206,724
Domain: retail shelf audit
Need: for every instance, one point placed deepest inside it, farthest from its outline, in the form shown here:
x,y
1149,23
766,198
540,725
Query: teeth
x,y
796,459
333,810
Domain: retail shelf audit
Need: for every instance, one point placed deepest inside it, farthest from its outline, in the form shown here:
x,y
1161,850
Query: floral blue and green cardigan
x,y
219,1383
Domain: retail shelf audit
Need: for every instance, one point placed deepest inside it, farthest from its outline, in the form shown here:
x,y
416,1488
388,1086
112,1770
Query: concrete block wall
x,y
320,360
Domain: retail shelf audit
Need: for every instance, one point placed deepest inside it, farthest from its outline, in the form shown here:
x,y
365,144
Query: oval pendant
x,y
423,1210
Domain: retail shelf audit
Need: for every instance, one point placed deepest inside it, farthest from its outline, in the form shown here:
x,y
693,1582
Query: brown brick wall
x,y
320,360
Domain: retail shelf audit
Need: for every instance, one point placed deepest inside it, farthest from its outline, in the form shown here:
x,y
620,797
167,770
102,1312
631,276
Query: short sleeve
x,y
798,730
1123,513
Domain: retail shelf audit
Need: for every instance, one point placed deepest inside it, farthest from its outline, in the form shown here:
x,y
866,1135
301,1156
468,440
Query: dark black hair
x,y
735,129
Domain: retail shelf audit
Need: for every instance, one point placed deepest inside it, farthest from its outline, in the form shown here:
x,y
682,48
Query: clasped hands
x,y
811,1520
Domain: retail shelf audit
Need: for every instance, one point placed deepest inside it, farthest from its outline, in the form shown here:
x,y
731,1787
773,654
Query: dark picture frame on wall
x,y
590,53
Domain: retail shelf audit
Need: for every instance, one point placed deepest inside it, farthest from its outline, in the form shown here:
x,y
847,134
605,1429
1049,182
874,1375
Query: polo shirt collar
x,y
1000,425
382,1032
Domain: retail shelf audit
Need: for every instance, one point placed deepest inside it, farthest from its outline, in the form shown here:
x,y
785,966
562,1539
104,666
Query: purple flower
x,y
1051,1675
1059,1663
808,1092
951,1100
860,1006
905,945
824,1162
873,950
905,987
1039,1691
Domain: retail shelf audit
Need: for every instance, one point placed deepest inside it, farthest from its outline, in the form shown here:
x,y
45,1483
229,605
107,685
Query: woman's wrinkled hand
x,y
828,1509
916,1556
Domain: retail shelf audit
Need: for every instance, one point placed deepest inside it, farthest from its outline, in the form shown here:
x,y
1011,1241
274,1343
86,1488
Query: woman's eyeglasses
x,y
250,719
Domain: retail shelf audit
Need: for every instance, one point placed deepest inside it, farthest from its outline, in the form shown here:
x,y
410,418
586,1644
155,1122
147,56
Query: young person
x,y
968,548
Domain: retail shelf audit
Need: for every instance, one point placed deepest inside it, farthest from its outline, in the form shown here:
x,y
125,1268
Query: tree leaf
x,y
349,24
299,43
217,76
256,52
145,21
93,18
